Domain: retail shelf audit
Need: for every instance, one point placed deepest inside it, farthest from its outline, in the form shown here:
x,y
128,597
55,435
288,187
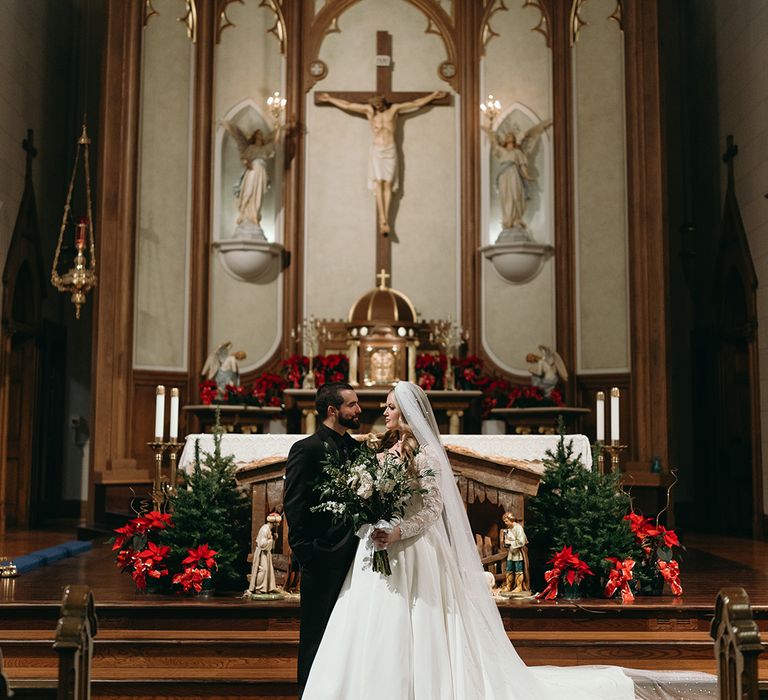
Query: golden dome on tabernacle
x,y
383,305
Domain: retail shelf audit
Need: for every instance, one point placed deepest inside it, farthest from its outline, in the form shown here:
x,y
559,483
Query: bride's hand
x,y
383,539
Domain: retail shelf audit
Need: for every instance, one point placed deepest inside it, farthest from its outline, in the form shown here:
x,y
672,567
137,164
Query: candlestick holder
x,y
173,448
158,493
615,450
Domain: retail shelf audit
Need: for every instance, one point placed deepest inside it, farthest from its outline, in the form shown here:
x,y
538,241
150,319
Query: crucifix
x,y
382,108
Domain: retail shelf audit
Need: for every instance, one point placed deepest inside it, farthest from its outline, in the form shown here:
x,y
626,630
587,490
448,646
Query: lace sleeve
x,y
433,501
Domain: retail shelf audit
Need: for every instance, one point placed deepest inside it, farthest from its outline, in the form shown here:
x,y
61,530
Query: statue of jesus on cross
x,y
382,108
382,166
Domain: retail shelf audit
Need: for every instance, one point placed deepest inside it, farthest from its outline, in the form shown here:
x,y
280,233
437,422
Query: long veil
x,y
506,675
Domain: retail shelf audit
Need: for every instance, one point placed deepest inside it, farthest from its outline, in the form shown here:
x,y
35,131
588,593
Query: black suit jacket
x,y
315,538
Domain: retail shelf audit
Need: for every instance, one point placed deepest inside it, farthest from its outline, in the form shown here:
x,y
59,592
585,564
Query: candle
x,y
82,225
615,414
159,412
600,416
174,429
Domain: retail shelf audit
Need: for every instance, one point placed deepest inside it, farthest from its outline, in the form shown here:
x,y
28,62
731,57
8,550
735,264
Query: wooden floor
x,y
180,647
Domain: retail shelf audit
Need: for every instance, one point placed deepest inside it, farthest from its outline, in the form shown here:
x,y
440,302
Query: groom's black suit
x,y
325,549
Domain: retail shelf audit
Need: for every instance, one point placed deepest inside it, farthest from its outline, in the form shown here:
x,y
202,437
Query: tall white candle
x,y
600,416
174,427
615,414
159,412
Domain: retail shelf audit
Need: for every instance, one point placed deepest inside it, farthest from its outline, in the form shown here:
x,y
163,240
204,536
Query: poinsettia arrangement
x,y
294,370
139,550
568,569
267,390
330,368
197,569
430,370
660,554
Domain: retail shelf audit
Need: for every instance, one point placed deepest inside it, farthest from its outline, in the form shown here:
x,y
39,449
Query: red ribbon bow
x,y
671,572
619,578
551,577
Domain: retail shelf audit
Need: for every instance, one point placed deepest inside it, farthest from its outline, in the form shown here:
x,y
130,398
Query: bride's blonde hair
x,y
381,442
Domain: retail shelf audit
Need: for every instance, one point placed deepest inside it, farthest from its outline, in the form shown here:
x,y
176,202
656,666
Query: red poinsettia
x,y
267,390
191,579
330,368
203,554
658,545
568,566
619,578
137,553
295,369
430,370
208,392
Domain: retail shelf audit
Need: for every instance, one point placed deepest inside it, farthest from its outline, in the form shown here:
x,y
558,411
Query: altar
x,y
495,473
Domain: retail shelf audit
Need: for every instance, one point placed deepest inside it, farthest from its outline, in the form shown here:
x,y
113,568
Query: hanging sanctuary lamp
x,y
80,278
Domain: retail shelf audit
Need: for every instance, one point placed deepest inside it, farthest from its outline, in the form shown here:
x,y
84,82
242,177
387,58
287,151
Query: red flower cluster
x,y
657,543
267,390
330,368
137,553
197,568
208,392
468,373
568,566
295,369
430,370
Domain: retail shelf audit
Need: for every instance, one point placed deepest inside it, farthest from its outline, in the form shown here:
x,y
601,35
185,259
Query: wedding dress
x,y
431,630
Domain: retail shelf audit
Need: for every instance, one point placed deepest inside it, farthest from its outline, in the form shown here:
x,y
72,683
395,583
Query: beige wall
x,y
742,60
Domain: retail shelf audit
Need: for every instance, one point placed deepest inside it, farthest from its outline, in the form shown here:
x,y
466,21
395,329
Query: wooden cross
x,y
384,69
731,151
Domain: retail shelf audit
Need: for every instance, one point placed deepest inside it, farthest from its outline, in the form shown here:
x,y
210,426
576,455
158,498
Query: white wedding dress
x,y
428,631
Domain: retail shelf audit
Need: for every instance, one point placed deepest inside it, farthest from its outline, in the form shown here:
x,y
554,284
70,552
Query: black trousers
x,y
319,590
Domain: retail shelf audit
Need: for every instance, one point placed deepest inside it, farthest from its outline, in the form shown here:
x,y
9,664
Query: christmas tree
x,y
583,509
209,508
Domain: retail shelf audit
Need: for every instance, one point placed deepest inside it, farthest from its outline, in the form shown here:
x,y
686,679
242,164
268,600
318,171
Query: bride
x,y
431,631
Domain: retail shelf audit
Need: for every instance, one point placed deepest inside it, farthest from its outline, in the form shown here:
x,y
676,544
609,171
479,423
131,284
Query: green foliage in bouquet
x,y
584,510
209,508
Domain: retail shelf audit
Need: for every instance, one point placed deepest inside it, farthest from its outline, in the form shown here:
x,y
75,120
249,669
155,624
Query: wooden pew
x,y
74,643
75,630
737,646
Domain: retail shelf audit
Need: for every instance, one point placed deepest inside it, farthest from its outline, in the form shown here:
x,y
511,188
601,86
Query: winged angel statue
x,y
221,366
514,178
546,369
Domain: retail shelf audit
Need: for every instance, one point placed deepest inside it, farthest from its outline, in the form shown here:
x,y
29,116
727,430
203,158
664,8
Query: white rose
x,y
386,485
365,490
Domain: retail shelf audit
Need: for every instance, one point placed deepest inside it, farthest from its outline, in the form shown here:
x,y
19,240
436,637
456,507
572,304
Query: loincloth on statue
x,y
382,166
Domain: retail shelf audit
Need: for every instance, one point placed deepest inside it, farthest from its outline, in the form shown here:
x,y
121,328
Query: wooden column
x,y
116,219
649,395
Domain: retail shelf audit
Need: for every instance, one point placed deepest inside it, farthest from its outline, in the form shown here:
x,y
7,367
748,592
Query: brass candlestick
x,y
158,494
615,450
173,447
600,456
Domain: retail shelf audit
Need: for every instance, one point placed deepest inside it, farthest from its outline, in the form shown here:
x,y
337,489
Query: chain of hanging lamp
x,y
81,278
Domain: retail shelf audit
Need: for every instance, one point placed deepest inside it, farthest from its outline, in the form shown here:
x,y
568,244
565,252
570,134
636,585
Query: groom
x,y
325,549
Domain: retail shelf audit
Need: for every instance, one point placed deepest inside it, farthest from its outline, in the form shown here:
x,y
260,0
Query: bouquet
x,y
367,492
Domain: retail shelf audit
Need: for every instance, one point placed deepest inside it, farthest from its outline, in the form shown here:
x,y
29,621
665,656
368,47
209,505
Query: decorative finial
x,y
383,276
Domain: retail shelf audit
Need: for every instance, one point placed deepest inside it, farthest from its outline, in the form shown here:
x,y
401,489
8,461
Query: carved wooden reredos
x,y
168,169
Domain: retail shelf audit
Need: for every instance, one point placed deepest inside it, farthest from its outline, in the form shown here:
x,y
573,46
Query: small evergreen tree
x,y
209,508
583,509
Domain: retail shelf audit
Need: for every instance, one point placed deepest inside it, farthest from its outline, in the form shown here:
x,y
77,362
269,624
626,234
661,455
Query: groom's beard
x,y
350,423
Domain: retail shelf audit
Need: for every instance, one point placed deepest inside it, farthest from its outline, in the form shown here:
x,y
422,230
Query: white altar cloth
x,y
249,448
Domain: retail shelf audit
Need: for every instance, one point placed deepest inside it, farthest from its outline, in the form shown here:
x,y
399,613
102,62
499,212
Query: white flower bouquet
x,y
368,489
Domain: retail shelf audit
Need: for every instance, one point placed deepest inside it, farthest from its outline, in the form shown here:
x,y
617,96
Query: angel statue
x,y
514,178
546,368
255,152
221,366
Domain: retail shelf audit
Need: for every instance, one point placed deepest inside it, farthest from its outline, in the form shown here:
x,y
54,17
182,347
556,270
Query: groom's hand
x,y
383,539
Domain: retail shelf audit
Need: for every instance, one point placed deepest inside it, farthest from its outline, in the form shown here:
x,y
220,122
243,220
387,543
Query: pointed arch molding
x,y
544,26
278,30
326,22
